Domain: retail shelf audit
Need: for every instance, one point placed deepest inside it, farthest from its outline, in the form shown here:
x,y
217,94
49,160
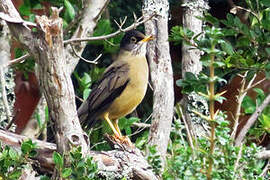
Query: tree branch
x,y
132,161
264,154
90,15
161,74
251,121
132,26
47,48
240,97
20,59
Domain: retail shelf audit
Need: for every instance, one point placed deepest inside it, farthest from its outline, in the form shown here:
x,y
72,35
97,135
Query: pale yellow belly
x,y
134,93
126,102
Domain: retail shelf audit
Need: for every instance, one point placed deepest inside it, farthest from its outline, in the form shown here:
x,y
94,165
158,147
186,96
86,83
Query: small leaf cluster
x,y
154,159
12,162
230,162
81,168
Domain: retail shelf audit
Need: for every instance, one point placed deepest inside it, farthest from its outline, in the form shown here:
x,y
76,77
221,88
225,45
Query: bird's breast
x,y
135,91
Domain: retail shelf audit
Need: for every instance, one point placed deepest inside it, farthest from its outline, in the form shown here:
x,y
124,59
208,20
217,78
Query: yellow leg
x,y
115,123
106,117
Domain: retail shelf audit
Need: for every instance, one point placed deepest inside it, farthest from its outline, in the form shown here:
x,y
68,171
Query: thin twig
x,y
86,60
255,84
265,154
134,25
251,121
235,8
141,125
150,86
190,139
140,130
242,93
239,98
236,164
102,142
20,59
4,94
80,99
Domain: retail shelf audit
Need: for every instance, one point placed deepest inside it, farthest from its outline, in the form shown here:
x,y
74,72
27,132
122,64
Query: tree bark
x,y
47,47
161,74
6,77
191,63
115,164
239,139
90,16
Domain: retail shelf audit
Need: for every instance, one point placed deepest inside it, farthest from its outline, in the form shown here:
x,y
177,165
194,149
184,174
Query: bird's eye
x,y
133,39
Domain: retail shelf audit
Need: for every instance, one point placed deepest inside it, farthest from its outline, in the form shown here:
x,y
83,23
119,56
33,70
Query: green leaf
x,y
265,120
265,3
26,148
86,93
58,159
66,172
69,9
15,174
260,95
44,177
213,20
190,76
128,130
180,82
13,154
219,64
25,9
243,42
227,47
249,105
86,79
103,28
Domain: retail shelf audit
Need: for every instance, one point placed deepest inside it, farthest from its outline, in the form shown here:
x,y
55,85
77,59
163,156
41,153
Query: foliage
x,y
13,162
236,45
230,162
262,127
154,159
81,168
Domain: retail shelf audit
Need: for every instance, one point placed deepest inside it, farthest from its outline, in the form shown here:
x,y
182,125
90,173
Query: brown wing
x,y
111,85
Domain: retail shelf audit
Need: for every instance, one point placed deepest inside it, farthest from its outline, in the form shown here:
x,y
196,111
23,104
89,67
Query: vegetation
x,y
229,46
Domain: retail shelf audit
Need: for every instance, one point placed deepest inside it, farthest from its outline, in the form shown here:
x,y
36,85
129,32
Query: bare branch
x,y
189,135
20,59
91,13
264,154
242,93
143,128
122,22
141,125
134,25
236,164
131,161
251,121
86,60
255,84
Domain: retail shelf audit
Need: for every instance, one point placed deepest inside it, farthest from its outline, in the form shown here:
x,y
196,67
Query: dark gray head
x,y
135,42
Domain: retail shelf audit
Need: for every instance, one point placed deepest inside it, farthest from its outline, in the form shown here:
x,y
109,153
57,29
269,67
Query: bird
x,y
122,86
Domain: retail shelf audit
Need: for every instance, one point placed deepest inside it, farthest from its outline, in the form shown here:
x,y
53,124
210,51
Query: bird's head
x,y
135,42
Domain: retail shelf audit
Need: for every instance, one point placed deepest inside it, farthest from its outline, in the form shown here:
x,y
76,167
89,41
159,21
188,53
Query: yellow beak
x,y
148,38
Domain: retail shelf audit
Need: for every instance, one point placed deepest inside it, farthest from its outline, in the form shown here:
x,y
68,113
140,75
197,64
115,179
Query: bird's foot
x,y
123,140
